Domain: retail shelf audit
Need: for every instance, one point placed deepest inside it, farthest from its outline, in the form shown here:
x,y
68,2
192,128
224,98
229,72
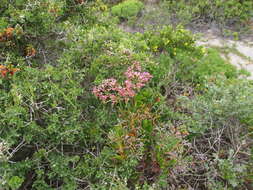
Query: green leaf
x,y
15,182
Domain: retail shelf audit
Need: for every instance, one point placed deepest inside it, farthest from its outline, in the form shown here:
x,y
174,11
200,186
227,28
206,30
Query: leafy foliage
x,y
230,11
127,9
57,60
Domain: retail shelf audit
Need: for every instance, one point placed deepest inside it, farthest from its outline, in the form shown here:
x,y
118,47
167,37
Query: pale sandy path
x,y
240,53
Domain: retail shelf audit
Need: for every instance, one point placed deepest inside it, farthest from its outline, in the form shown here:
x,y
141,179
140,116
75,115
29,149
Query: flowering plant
x,y
111,91
7,34
4,71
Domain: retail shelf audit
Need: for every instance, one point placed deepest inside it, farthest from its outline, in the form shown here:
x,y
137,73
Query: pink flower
x,y
129,84
103,97
139,85
109,90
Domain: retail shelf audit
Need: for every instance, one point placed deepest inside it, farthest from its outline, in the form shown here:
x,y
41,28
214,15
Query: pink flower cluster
x,y
111,91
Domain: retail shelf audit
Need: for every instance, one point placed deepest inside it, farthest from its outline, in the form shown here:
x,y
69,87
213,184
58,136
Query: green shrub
x,y
170,40
206,68
221,11
223,104
127,9
56,134
190,63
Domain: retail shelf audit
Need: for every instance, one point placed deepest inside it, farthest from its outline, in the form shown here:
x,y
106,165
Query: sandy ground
x,y
239,53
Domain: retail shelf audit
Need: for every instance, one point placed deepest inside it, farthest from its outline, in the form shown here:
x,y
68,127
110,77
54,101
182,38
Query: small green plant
x,y
127,9
15,182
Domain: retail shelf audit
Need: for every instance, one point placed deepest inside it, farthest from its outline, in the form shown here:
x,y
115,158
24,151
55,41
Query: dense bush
x,y
85,105
226,103
226,12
